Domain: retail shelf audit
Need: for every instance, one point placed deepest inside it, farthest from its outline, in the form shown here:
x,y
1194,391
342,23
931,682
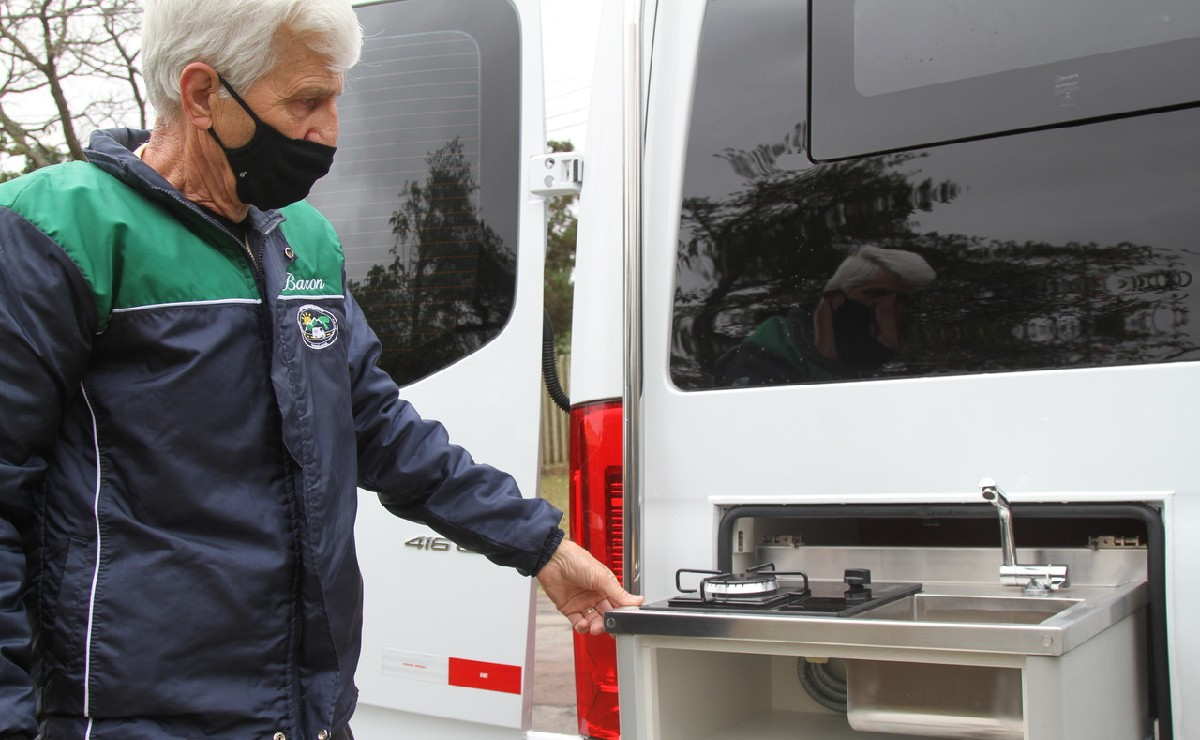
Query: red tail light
x,y
598,525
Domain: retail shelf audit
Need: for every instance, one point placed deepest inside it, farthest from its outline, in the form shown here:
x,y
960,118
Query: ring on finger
x,y
586,612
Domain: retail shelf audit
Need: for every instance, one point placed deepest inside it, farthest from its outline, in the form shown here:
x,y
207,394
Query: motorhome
x,y
881,352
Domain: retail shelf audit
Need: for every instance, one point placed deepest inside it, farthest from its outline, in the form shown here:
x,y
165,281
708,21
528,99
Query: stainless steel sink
x,y
996,619
987,618
970,701
957,608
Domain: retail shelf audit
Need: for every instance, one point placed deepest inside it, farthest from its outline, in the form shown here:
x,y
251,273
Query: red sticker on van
x,y
475,674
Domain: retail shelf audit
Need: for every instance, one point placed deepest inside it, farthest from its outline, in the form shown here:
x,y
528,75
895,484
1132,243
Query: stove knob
x,y
857,578
858,581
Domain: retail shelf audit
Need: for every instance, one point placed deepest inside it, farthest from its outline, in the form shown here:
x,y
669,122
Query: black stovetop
x,y
794,595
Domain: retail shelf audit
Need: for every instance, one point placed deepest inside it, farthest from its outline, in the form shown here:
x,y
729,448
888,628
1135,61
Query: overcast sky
x,y
569,46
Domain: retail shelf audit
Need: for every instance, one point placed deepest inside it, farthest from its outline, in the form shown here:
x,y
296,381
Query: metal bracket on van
x,y
558,173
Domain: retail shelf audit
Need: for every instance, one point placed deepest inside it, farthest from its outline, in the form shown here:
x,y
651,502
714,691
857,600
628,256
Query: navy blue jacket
x,y
186,413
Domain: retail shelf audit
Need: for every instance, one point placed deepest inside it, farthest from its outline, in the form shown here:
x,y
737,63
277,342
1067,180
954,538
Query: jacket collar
x,y
112,150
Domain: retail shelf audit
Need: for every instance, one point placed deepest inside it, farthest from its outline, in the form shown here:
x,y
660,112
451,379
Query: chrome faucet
x,y
1036,579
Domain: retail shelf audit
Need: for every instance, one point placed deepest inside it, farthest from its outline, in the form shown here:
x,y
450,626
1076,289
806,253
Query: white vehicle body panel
x,y
596,366
428,605
1118,434
1103,434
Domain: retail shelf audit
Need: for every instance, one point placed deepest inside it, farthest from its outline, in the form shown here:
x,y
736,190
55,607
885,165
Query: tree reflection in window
x,y
769,248
449,286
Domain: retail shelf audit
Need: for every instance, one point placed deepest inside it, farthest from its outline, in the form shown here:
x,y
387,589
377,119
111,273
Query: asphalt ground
x,y
553,672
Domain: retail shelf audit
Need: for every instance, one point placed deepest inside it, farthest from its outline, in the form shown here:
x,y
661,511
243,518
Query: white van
x,y
886,301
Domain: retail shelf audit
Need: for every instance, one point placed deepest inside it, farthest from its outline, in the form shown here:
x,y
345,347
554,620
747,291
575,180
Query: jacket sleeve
x,y
419,475
47,322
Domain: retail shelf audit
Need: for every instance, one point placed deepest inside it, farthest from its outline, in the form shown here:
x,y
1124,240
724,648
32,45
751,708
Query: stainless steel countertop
x,y
1097,608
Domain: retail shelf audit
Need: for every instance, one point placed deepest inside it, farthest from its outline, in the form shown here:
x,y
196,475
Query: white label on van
x,y
416,666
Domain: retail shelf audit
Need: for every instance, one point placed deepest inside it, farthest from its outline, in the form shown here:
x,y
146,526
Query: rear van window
x,y
1053,247
890,75
423,190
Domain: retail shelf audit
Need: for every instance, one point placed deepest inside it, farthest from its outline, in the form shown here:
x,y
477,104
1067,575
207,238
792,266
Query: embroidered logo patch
x,y
318,327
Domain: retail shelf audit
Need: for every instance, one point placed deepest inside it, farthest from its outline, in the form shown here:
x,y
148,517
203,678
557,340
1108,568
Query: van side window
x,y
423,188
1054,248
946,70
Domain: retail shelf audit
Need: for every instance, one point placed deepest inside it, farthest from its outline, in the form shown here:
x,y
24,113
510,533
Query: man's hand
x,y
582,588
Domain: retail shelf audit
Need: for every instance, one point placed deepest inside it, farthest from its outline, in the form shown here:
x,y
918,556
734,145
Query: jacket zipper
x,y
259,273
257,267
254,263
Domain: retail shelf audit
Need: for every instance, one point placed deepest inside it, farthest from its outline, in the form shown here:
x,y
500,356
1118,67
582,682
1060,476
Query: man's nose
x,y
324,129
887,303
888,325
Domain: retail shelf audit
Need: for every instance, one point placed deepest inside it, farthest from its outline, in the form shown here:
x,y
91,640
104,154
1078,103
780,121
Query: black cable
x,y
550,369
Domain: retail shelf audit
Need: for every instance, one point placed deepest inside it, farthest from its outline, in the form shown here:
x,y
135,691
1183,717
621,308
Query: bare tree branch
x,y
18,142
67,66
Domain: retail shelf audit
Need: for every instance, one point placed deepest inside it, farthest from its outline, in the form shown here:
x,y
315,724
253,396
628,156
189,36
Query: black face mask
x,y
856,347
273,170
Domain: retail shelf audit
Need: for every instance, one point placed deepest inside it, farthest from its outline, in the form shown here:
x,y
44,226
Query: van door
x,y
444,252
1045,332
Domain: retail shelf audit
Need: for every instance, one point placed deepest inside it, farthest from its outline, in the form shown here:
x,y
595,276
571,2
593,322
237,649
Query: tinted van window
x,y
1065,247
890,75
423,190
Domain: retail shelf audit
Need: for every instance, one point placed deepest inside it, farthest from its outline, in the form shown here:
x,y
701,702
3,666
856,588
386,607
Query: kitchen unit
x,y
881,638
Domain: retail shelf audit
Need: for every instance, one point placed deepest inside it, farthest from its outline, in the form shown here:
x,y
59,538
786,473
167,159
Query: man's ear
x,y
198,85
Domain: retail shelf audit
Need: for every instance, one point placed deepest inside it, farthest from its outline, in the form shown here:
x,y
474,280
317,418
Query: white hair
x,y
238,40
865,264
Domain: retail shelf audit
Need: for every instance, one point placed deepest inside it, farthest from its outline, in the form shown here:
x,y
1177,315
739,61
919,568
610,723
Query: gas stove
x,y
764,590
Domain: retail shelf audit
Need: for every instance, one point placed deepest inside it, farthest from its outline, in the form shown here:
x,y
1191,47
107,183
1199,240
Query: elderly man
x,y
858,325
183,430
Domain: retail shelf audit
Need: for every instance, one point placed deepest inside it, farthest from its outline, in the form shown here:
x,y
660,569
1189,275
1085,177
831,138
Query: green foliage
x,y
561,228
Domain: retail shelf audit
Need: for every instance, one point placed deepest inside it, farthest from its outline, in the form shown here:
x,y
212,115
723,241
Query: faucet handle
x,y
992,493
1037,579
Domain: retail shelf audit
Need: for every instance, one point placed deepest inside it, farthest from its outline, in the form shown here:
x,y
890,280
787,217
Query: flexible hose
x,y
825,688
831,685
550,369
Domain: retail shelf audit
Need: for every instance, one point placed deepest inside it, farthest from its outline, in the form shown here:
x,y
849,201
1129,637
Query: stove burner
x,y
762,589
733,585
755,586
